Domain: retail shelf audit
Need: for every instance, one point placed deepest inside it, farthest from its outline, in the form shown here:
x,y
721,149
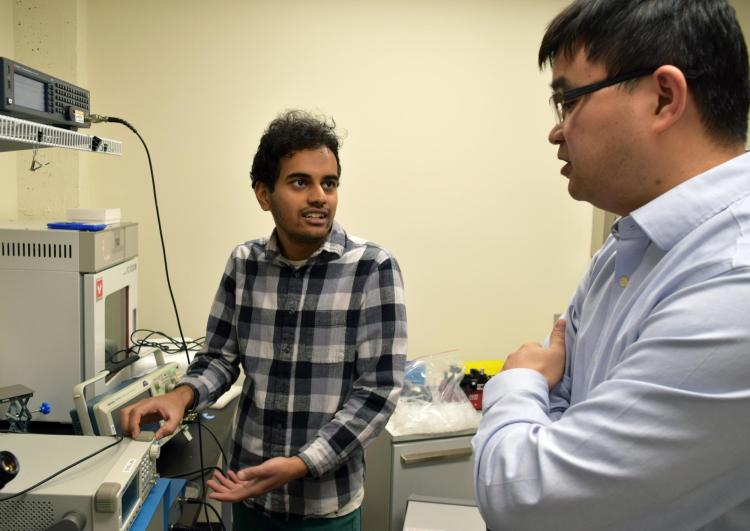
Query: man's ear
x,y
672,92
263,195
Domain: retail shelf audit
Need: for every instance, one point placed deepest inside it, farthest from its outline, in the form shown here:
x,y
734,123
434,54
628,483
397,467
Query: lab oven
x,y
69,305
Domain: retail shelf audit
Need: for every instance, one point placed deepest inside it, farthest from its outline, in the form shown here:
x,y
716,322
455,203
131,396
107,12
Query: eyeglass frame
x,y
558,99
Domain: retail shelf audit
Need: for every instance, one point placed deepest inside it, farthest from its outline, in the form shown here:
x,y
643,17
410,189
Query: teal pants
x,y
246,519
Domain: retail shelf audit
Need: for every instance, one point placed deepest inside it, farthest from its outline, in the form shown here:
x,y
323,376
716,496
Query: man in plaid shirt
x,y
316,319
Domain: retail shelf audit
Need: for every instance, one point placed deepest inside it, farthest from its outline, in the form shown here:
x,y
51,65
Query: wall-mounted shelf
x,y
16,134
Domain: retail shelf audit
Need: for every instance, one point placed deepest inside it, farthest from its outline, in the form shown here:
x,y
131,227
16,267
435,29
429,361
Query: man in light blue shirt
x,y
636,414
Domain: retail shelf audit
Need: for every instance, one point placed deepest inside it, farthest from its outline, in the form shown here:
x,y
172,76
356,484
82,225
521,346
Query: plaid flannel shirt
x,y
323,348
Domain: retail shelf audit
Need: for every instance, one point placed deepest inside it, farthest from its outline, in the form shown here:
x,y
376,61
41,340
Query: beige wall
x,y
742,7
445,160
50,35
8,187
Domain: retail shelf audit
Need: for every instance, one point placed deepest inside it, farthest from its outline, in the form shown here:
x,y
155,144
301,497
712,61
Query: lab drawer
x,y
438,466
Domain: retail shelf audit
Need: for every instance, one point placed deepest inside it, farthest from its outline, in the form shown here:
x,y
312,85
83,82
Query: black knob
x,y
8,467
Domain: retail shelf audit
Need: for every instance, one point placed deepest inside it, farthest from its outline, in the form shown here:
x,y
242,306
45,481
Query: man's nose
x,y
556,136
317,195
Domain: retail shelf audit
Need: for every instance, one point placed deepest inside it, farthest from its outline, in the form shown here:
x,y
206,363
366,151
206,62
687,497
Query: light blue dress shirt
x,y
650,427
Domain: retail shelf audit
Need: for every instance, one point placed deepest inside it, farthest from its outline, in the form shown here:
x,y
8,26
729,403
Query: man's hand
x,y
169,407
548,361
256,480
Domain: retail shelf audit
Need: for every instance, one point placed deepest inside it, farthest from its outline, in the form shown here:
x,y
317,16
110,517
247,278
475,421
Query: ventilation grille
x,y
26,515
36,250
25,132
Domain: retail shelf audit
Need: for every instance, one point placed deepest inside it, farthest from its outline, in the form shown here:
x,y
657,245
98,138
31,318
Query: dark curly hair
x,y
290,132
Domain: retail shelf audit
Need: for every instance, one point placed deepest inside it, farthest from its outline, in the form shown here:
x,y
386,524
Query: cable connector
x,y
96,118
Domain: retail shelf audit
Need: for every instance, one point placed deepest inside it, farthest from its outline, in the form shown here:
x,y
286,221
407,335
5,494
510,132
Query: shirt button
x,y
624,281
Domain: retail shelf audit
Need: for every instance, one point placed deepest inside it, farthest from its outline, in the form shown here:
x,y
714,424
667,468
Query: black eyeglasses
x,y
560,101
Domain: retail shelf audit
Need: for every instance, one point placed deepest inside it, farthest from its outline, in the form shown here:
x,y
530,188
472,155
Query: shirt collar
x,y
335,243
671,216
626,229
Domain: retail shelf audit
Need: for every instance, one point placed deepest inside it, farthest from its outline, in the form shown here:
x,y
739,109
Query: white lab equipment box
x,y
397,467
104,492
69,302
442,514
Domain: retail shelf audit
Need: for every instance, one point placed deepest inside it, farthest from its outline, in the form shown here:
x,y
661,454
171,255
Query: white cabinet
x,y
438,465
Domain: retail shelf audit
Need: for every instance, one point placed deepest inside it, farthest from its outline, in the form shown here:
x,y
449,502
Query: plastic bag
x,y
432,400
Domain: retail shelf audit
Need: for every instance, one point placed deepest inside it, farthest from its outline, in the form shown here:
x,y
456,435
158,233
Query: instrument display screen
x,y
29,92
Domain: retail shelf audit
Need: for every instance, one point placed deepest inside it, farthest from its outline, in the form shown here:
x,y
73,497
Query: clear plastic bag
x,y
432,400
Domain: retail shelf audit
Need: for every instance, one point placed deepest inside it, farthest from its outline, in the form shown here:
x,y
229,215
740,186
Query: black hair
x,y
290,132
702,36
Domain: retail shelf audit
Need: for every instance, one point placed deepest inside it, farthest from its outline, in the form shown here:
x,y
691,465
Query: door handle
x,y
439,455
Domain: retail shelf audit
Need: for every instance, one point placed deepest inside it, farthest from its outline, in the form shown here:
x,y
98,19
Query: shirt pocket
x,y
326,357
324,374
